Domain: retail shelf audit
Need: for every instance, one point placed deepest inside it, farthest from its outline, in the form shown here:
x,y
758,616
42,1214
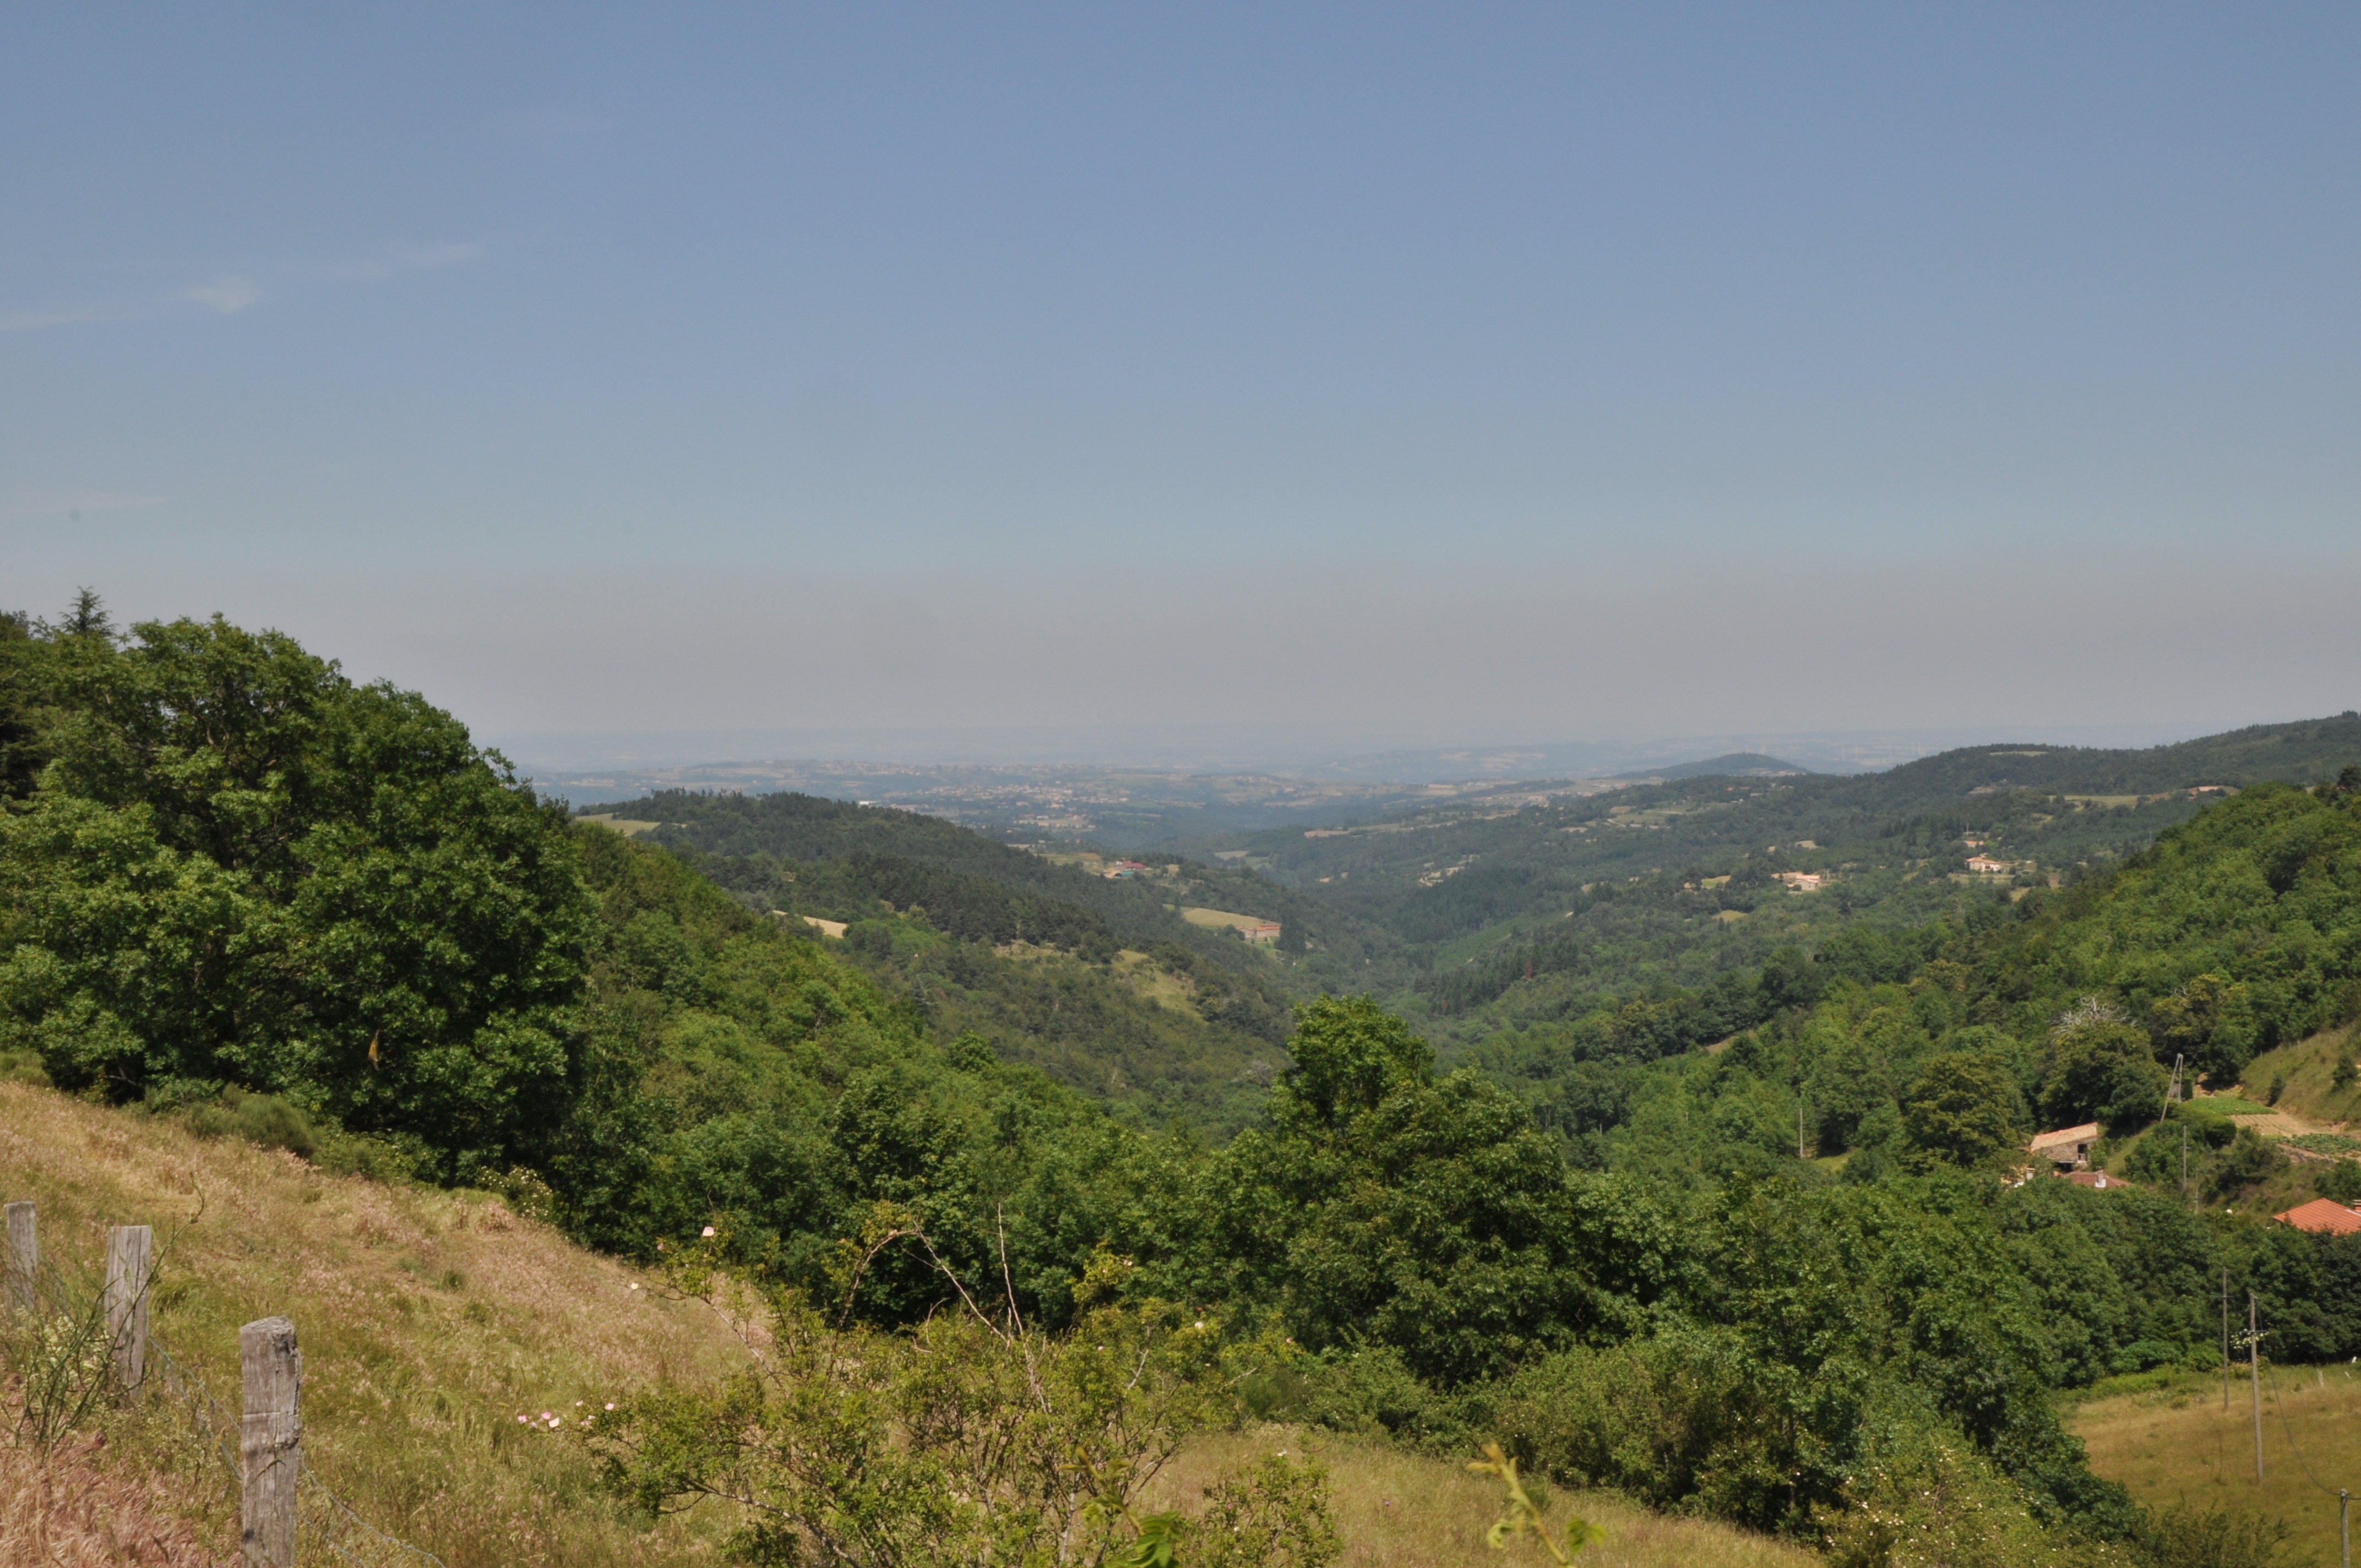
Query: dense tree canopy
x,y
238,867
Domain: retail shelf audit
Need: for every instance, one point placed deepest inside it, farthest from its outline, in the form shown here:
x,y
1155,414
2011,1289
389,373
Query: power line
x,y
2343,1496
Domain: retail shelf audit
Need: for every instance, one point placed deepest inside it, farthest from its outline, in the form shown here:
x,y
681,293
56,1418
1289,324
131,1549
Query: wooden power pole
x,y
2226,1337
2255,1366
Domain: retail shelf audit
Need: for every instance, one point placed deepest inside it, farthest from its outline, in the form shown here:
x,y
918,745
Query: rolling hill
x,y
1672,884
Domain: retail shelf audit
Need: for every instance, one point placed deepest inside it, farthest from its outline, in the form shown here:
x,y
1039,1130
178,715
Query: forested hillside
x,y
1569,905
1796,1284
1104,982
2235,933
869,848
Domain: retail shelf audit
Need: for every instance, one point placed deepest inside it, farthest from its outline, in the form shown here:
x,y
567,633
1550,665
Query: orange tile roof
x,y
2320,1214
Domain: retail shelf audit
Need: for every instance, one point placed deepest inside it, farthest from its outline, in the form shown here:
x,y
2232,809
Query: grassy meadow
x,y
2304,1073
1219,917
2175,1444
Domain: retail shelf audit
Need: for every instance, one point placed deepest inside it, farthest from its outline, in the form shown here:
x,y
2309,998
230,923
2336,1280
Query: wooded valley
x,y
1672,1136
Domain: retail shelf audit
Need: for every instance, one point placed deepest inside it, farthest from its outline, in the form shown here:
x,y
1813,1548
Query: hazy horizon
x,y
1277,753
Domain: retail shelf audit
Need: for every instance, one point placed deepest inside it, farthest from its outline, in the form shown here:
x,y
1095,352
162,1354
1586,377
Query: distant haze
x,y
1221,386
700,758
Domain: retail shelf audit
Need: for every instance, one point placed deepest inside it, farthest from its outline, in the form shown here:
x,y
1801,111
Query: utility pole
x,y
2226,1336
2344,1525
2254,1367
1799,1129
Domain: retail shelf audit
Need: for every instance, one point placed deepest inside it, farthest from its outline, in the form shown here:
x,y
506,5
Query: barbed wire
x,y
322,1519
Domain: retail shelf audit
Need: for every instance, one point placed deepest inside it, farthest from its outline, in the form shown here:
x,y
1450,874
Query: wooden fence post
x,y
24,1258
128,1249
270,1441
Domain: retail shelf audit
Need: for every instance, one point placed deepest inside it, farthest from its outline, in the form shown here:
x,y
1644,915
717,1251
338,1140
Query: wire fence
x,y
325,1525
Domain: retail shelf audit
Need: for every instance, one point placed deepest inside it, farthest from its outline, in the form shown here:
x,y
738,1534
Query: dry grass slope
x,y
2175,1444
430,1321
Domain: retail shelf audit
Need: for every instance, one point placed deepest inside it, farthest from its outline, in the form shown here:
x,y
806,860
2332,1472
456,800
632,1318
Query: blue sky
x,y
1461,373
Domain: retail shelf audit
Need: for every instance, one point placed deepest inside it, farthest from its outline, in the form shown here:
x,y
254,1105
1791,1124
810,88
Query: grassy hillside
x,y
2310,1078
2236,933
1101,982
1166,1033
799,830
2288,754
430,1319
2176,1444
1518,915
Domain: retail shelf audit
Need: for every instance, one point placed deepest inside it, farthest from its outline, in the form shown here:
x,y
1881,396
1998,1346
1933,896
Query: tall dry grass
x,y
99,1501
1398,1510
429,1321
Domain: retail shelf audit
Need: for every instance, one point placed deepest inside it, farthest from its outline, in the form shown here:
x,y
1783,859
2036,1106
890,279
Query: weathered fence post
x,y
24,1258
128,1248
270,1441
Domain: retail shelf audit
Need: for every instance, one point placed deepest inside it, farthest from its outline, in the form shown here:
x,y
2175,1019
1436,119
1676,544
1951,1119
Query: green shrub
x,y
2340,1181
966,1440
260,1118
2212,1538
1686,1419
1928,1500
1273,1514
373,1157
23,1067
2249,1161
2155,1157
1367,1391
2206,1124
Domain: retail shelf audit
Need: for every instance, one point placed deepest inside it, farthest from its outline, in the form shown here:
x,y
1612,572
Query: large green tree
x,y
2101,1071
1961,1109
239,867
1387,1207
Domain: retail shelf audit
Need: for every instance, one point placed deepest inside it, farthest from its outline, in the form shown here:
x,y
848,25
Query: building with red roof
x,y
2322,1216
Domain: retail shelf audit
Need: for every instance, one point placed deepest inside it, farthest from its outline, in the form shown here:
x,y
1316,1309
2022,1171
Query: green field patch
x,y
626,826
1196,916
